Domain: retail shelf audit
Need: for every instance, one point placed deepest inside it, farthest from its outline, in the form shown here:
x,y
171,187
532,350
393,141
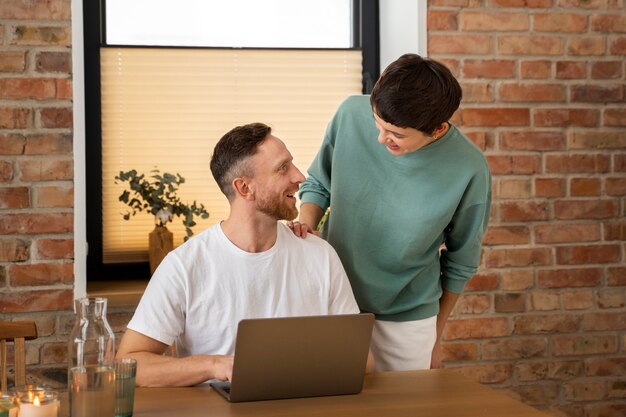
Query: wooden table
x,y
436,393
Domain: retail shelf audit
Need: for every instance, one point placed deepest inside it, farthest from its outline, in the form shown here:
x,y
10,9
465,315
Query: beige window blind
x,y
166,109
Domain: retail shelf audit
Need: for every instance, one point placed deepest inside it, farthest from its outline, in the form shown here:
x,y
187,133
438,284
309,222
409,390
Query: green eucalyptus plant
x,y
157,194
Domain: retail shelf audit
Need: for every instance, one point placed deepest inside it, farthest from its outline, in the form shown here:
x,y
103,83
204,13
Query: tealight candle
x,y
38,402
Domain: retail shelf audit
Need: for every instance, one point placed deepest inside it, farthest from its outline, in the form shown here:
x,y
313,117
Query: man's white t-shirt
x,y
201,290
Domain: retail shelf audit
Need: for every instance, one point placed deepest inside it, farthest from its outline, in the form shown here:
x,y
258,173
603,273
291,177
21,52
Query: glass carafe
x,y
91,355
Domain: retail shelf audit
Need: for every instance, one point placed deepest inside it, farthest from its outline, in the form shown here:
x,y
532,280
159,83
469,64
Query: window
x,y
154,106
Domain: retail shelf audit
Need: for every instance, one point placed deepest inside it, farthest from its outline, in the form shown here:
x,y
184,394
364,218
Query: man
x,y
400,180
249,265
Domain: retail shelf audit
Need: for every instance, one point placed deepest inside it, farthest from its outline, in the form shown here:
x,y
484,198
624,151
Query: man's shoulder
x,y
309,245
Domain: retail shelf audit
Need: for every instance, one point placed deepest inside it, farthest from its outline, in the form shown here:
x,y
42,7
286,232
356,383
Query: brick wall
x,y
544,96
36,177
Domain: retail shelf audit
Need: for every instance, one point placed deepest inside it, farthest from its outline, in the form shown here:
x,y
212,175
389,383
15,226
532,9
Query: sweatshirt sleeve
x,y
460,259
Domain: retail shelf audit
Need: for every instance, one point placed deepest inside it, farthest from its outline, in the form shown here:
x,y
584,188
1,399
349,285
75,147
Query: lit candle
x,y
38,403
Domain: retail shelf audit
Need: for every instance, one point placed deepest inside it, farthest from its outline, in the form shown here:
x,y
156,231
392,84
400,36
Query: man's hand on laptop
x,y
222,367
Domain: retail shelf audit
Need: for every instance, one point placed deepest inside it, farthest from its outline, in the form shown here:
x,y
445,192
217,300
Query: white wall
x,y
402,29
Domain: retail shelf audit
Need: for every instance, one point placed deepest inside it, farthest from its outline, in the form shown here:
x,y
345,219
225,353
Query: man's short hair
x,y
230,155
416,92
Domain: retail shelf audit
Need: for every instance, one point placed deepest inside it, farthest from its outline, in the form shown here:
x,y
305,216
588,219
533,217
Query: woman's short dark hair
x,y
230,155
416,92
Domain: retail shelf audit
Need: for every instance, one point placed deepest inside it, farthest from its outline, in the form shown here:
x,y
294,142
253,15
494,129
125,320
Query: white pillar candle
x,y
38,403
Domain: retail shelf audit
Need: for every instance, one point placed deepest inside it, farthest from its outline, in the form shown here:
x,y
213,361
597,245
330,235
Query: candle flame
x,y
36,402
30,396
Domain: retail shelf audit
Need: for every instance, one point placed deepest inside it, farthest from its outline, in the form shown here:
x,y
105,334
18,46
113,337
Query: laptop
x,y
292,357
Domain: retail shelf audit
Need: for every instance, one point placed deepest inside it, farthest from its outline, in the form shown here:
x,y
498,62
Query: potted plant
x,y
157,194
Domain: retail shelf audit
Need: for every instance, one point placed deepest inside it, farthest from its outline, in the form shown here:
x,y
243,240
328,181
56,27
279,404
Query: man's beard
x,y
274,206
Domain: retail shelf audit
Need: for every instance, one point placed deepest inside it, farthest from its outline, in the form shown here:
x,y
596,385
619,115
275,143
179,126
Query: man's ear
x,y
242,188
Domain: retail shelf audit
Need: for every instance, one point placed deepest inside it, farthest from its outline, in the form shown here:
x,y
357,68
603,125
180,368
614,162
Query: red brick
x,y
15,118
32,301
64,88
46,170
605,410
594,322
12,144
472,304
27,88
479,68
55,249
502,258
550,187
36,223
606,70
543,117
585,390
616,186
605,366
576,163
543,4
620,162
617,46
442,20
545,301
616,276
41,274
536,394
514,348
608,23
495,117
484,140
514,164
553,370
14,250
567,232
482,282
609,298
531,92
577,300
524,211
596,93
615,117
545,324
46,144
54,353
532,141
536,69
510,303
615,230
569,278
487,374
596,140
55,196
590,254
12,61
56,117
507,235
452,64
585,209
453,352
6,171
585,187
517,280
476,328
14,197
559,22
586,45
477,92
568,70
460,44
529,45
514,188
493,21
27,10
53,62
41,35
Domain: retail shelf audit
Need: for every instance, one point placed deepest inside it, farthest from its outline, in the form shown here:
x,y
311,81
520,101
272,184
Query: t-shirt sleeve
x,y
161,311
342,299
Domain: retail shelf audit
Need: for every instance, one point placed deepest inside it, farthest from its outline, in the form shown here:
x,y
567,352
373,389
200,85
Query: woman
x,y
396,200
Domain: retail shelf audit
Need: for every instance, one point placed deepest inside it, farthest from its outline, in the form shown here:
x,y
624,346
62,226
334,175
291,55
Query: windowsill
x,y
118,293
